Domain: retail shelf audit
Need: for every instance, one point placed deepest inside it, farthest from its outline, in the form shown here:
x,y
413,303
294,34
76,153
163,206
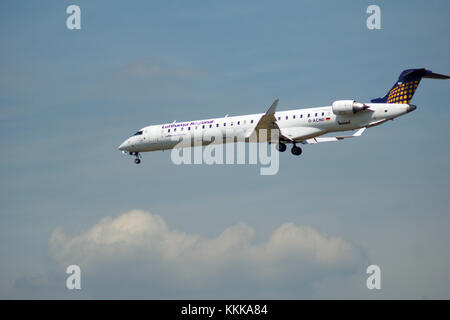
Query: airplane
x,y
298,126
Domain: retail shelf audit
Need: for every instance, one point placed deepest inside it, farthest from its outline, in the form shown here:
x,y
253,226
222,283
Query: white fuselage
x,y
316,122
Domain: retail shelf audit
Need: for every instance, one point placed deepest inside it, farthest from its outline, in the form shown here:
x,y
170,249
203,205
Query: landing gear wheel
x,y
296,150
281,147
137,160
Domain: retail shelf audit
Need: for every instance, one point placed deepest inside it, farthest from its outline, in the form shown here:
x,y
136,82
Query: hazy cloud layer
x,y
140,247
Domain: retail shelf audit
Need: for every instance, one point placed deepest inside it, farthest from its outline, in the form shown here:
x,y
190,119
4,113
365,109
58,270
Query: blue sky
x,y
69,98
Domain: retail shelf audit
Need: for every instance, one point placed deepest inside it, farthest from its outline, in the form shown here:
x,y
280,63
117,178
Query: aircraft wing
x,y
304,135
376,123
267,122
300,133
328,139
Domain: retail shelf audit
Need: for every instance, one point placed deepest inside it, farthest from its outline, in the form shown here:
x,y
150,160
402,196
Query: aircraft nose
x,y
411,108
123,146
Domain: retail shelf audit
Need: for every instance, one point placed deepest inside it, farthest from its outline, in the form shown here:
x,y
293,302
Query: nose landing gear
x,y
137,160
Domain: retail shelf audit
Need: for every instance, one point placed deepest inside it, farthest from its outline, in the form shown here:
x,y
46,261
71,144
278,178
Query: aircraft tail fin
x,y
406,85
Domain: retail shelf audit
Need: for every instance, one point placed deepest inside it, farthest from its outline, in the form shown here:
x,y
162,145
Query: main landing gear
x,y
281,147
295,150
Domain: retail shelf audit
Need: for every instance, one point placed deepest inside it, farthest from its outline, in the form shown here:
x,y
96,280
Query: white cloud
x,y
140,245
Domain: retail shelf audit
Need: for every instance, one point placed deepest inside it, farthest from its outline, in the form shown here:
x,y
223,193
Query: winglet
x,y
359,132
356,134
272,107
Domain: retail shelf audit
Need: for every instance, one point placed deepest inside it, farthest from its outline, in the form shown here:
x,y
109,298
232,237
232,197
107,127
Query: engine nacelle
x,y
347,107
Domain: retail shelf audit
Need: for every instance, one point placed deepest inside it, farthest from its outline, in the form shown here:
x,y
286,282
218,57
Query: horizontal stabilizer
x,y
433,75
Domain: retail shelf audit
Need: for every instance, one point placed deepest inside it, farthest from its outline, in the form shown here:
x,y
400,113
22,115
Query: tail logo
x,y
404,88
403,92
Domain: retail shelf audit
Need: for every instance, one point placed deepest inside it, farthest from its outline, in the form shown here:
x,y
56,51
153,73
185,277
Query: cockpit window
x,y
138,133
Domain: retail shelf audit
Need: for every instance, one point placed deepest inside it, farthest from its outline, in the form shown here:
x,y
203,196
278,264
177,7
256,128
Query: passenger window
x,y
239,122
168,130
293,116
203,127
217,125
210,125
251,121
279,118
224,124
308,115
301,116
287,117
